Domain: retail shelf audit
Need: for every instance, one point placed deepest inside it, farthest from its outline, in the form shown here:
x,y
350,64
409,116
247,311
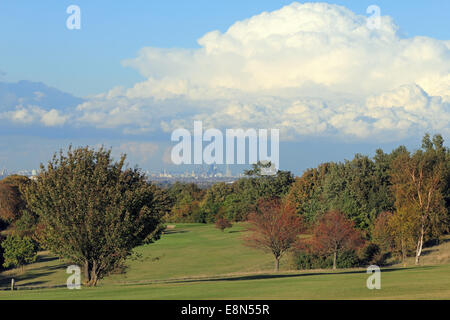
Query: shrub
x,y
304,260
18,251
372,254
368,253
307,261
347,259
222,224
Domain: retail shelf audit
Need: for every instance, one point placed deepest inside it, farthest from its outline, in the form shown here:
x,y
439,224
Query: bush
x,y
371,254
18,251
222,224
307,261
347,259
368,253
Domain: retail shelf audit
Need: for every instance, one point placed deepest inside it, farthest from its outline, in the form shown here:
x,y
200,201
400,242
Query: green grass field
x,y
196,261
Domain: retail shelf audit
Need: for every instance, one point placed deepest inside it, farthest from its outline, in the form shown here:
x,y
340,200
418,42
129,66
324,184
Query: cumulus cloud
x,y
53,118
299,45
306,69
21,115
31,114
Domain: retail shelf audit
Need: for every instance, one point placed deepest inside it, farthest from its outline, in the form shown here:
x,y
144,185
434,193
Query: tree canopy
x,y
93,210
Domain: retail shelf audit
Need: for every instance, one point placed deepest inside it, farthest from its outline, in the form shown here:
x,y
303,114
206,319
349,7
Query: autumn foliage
x,y
11,202
222,223
335,234
274,228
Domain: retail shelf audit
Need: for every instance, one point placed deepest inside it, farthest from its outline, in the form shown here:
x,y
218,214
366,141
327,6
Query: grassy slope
x,y
231,271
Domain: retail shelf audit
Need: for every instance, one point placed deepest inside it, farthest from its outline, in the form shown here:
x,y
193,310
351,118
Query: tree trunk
x,y
93,275
86,272
94,280
403,254
419,245
334,260
90,272
277,264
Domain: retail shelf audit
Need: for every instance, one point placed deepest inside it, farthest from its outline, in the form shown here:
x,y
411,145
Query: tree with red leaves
x,y
274,227
334,234
222,223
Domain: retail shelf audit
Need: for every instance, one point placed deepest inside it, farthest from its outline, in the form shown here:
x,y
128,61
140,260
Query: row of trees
x,y
233,202
93,211
397,200
276,228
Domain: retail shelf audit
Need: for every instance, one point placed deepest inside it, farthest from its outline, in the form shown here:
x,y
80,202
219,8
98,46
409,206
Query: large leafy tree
x,y
212,205
266,186
357,188
93,210
419,182
274,227
305,192
246,192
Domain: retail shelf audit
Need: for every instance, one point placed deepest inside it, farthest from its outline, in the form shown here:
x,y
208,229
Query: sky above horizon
x,y
37,46
136,71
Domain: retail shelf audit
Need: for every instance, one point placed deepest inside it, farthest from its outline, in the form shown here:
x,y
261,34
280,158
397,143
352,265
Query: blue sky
x,y
143,68
37,46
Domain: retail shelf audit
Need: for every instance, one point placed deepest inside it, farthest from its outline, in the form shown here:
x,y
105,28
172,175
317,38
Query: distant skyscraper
x,y
228,171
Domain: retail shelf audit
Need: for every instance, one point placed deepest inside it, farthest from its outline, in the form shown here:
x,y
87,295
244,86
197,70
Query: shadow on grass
x,y
427,252
175,231
26,277
22,279
51,268
274,276
282,276
45,258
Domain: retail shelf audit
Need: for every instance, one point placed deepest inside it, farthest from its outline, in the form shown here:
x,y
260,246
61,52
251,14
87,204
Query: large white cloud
x,y
307,69
297,46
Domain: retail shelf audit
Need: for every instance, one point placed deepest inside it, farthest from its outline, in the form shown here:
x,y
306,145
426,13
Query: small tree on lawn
x,y
222,223
335,234
18,251
274,228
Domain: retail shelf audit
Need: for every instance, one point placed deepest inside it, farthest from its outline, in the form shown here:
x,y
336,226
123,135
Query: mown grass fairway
x,y
200,262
